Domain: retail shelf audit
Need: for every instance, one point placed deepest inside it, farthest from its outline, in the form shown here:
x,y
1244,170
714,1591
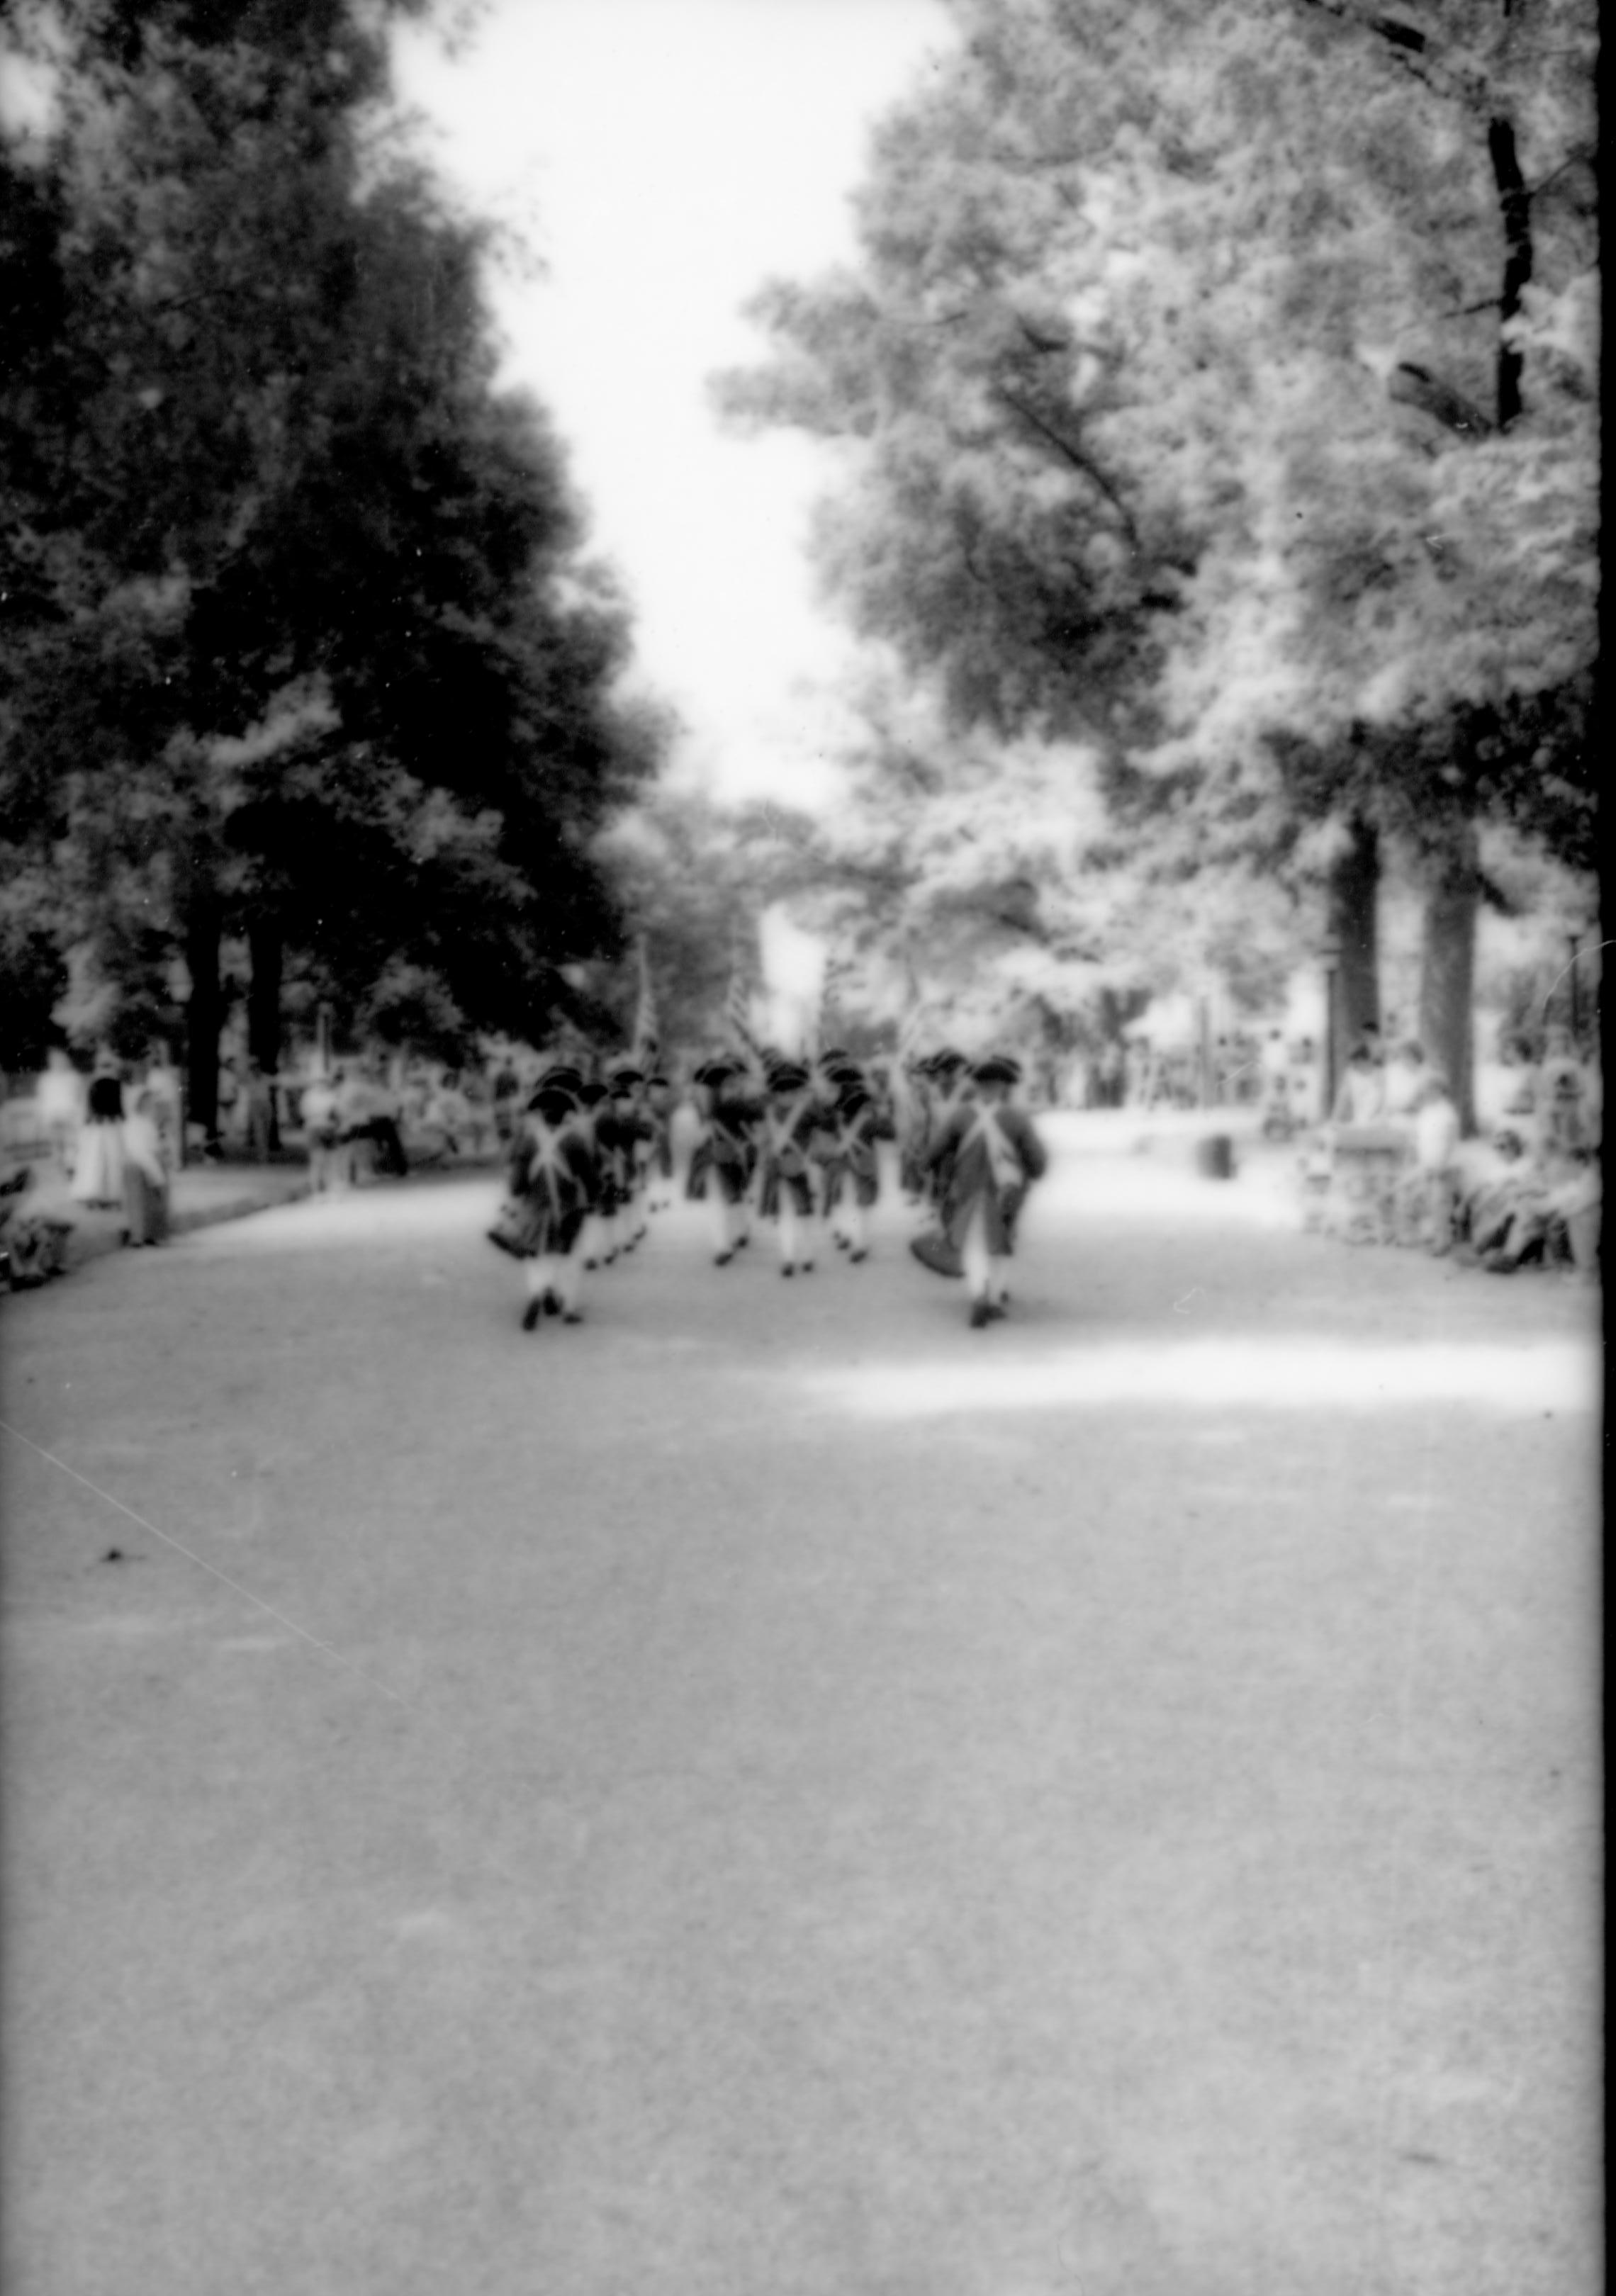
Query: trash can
x,y
1214,1157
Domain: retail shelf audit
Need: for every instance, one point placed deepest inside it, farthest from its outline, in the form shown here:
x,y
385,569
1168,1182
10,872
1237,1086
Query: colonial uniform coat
x,y
732,1125
986,1156
555,1177
949,1094
787,1139
852,1164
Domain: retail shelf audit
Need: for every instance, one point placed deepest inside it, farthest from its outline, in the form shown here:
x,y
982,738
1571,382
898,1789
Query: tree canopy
x,y
1218,388
302,645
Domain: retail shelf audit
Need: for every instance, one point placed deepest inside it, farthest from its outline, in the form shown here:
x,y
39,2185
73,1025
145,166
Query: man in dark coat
x,y
987,1155
554,1181
788,1137
727,1152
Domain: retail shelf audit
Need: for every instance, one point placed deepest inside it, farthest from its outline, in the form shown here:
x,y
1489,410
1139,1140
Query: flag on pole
x,y
826,1025
912,1027
738,1001
646,1044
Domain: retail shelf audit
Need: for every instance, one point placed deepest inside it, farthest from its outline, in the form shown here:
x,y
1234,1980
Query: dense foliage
x,y
300,649
1218,383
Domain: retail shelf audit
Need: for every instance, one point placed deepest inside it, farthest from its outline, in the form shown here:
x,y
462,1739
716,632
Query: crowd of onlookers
x,y
113,1138
1282,1076
1391,1166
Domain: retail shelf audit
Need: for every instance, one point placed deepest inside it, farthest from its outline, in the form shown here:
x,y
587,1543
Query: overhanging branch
x,y
1075,458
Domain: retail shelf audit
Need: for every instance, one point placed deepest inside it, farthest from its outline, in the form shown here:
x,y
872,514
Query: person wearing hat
x,y
659,1169
591,1123
952,1088
988,1153
613,1146
853,1167
622,1136
554,1181
698,1177
726,1153
790,1122
828,1080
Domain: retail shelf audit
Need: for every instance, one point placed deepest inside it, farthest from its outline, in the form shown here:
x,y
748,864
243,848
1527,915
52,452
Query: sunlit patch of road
x,y
1289,1373
389,1216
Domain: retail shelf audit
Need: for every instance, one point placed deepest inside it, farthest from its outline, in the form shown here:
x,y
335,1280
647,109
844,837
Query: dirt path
x,y
773,1792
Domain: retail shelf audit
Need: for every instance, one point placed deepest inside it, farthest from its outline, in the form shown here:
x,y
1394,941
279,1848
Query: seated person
x,y
35,1225
1512,1208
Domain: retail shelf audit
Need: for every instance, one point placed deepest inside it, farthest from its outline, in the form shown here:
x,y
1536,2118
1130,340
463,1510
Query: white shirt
x,y
1436,1135
1404,1082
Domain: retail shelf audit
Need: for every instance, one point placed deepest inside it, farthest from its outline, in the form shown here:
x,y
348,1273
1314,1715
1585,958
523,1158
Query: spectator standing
x,y
386,1120
61,1106
162,1082
355,1107
1361,1098
1436,1149
323,1131
257,1113
145,1175
98,1177
1112,1064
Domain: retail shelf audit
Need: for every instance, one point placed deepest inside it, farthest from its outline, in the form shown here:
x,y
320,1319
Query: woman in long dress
x,y
145,1177
98,1177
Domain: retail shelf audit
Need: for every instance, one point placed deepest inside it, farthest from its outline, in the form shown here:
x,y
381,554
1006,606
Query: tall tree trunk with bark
x,y
1515,212
1448,967
205,1012
266,952
1353,898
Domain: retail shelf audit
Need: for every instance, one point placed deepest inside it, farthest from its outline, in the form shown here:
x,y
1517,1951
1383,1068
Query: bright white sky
x,y
662,158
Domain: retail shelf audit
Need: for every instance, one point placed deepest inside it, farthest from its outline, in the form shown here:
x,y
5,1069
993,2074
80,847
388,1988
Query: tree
x,y
303,644
1218,381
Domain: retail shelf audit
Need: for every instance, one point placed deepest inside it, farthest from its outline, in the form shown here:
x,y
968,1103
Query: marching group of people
x,y
795,1145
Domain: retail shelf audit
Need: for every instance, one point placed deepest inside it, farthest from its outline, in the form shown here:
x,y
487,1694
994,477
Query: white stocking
x,y
974,1253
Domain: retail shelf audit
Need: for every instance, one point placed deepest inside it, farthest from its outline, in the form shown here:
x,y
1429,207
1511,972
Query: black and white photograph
x,y
800,1148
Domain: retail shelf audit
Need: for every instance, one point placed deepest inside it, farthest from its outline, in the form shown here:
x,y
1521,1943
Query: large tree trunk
x,y
1448,968
1352,903
1515,211
265,951
204,1012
